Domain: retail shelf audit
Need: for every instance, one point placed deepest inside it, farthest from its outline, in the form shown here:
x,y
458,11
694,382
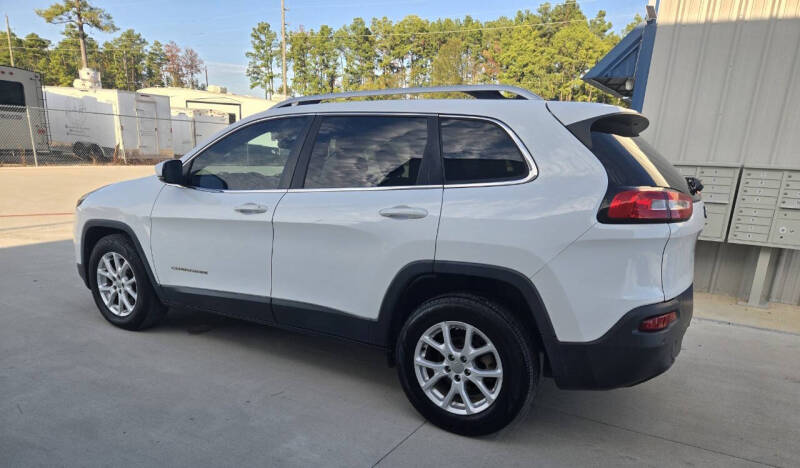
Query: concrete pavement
x,y
37,203
201,390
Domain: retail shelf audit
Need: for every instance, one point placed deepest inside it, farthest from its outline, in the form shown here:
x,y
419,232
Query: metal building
x,y
720,82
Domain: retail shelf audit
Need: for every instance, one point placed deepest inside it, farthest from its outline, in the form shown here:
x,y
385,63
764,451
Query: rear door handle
x,y
251,208
404,212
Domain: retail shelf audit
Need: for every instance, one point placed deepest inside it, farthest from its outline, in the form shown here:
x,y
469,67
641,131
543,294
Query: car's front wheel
x,y
467,364
120,286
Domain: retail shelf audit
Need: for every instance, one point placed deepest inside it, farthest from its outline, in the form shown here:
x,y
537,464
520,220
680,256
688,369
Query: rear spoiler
x,y
583,118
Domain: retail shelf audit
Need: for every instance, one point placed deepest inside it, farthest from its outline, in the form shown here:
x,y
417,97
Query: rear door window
x,y
632,162
479,151
367,151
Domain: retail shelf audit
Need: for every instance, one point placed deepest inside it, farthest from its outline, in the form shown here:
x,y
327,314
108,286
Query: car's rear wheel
x,y
467,364
120,285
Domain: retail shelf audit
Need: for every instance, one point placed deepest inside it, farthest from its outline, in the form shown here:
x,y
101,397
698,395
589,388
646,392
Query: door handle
x,y
404,212
251,208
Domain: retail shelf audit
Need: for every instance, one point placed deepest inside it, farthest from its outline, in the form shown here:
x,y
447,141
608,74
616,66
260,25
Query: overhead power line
x,y
395,34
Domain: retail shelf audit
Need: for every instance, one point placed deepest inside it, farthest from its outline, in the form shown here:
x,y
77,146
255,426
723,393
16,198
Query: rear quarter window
x,y
479,151
632,162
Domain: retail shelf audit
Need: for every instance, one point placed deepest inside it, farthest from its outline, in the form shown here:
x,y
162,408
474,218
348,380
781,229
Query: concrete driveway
x,y
201,390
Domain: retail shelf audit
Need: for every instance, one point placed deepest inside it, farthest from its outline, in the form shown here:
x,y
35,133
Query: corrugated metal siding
x,y
724,86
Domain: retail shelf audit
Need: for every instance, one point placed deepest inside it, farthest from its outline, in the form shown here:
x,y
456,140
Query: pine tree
x,y
261,68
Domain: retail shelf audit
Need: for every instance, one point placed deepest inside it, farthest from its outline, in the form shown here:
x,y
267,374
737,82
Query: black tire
x,y
520,362
147,310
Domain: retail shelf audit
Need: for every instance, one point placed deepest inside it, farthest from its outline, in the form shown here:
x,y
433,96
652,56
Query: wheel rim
x,y
116,284
458,368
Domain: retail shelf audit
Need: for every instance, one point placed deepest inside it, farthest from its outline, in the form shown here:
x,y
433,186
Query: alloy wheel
x,y
116,283
458,367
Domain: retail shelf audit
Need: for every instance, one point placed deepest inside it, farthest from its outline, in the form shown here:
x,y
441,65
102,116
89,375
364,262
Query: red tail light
x,y
659,322
650,204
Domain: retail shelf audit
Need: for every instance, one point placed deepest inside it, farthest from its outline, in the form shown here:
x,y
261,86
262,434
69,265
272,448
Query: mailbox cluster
x,y
719,192
768,209
765,211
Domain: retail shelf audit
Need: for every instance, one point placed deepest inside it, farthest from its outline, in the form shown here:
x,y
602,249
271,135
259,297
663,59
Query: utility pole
x,y
206,77
11,51
283,45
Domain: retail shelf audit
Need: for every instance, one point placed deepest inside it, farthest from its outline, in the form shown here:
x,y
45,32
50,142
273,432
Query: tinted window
x,y
632,162
367,151
11,93
253,158
479,151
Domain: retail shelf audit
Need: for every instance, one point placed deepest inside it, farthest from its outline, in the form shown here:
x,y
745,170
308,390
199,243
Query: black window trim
x,y
291,162
533,170
431,159
298,160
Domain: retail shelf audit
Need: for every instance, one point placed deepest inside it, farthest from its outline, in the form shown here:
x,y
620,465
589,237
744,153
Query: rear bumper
x,y
624,356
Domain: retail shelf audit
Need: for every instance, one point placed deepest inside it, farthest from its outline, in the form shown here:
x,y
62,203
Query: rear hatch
x,y
643,187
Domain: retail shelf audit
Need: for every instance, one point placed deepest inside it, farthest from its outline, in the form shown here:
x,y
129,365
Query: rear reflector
x,y
650,204
659,322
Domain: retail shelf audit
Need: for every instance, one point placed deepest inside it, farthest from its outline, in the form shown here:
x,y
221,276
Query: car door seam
x,y
150,234
272,246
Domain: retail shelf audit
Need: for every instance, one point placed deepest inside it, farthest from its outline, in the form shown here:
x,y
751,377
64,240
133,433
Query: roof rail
x,y
489,91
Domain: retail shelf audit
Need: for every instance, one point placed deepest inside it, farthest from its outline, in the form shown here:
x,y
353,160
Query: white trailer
x,y
217,98
107,122
23,124
190,127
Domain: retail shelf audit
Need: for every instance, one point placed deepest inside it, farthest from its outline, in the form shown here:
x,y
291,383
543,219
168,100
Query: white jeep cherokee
x,y
481,242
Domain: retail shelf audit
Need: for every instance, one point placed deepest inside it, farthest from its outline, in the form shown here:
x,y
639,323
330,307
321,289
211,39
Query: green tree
x,y
599,26
30,52
298,54
449,66
154,65
36,54
637,20
124,60
16,43
409,49
261,68
324,60
356,46
82,15
65,57
547,50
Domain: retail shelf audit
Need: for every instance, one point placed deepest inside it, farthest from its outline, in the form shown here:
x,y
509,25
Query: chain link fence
x,y
35,136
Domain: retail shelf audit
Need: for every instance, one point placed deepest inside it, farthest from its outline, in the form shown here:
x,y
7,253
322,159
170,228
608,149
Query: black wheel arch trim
x,y
386,325
83,266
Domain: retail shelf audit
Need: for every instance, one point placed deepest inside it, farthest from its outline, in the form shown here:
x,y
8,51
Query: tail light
x,y
658,323
649,204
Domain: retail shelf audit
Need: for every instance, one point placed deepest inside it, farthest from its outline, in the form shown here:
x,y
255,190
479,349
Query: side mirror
x,y
171,171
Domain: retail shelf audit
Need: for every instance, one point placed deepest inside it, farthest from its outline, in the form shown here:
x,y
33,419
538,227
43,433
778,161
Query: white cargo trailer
x,y
22,121
108,122
190,127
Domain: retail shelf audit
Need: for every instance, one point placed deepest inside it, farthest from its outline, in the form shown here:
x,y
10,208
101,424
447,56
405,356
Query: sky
x,y
220,30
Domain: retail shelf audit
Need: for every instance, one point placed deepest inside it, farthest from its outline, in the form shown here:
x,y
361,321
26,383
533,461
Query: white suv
x,y
481,242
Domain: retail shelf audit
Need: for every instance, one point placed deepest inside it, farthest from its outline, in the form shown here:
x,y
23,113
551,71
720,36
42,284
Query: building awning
x,y
625,67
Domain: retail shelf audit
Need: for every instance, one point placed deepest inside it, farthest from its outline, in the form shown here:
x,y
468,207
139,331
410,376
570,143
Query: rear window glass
x,y
632,162
11,93
479,151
